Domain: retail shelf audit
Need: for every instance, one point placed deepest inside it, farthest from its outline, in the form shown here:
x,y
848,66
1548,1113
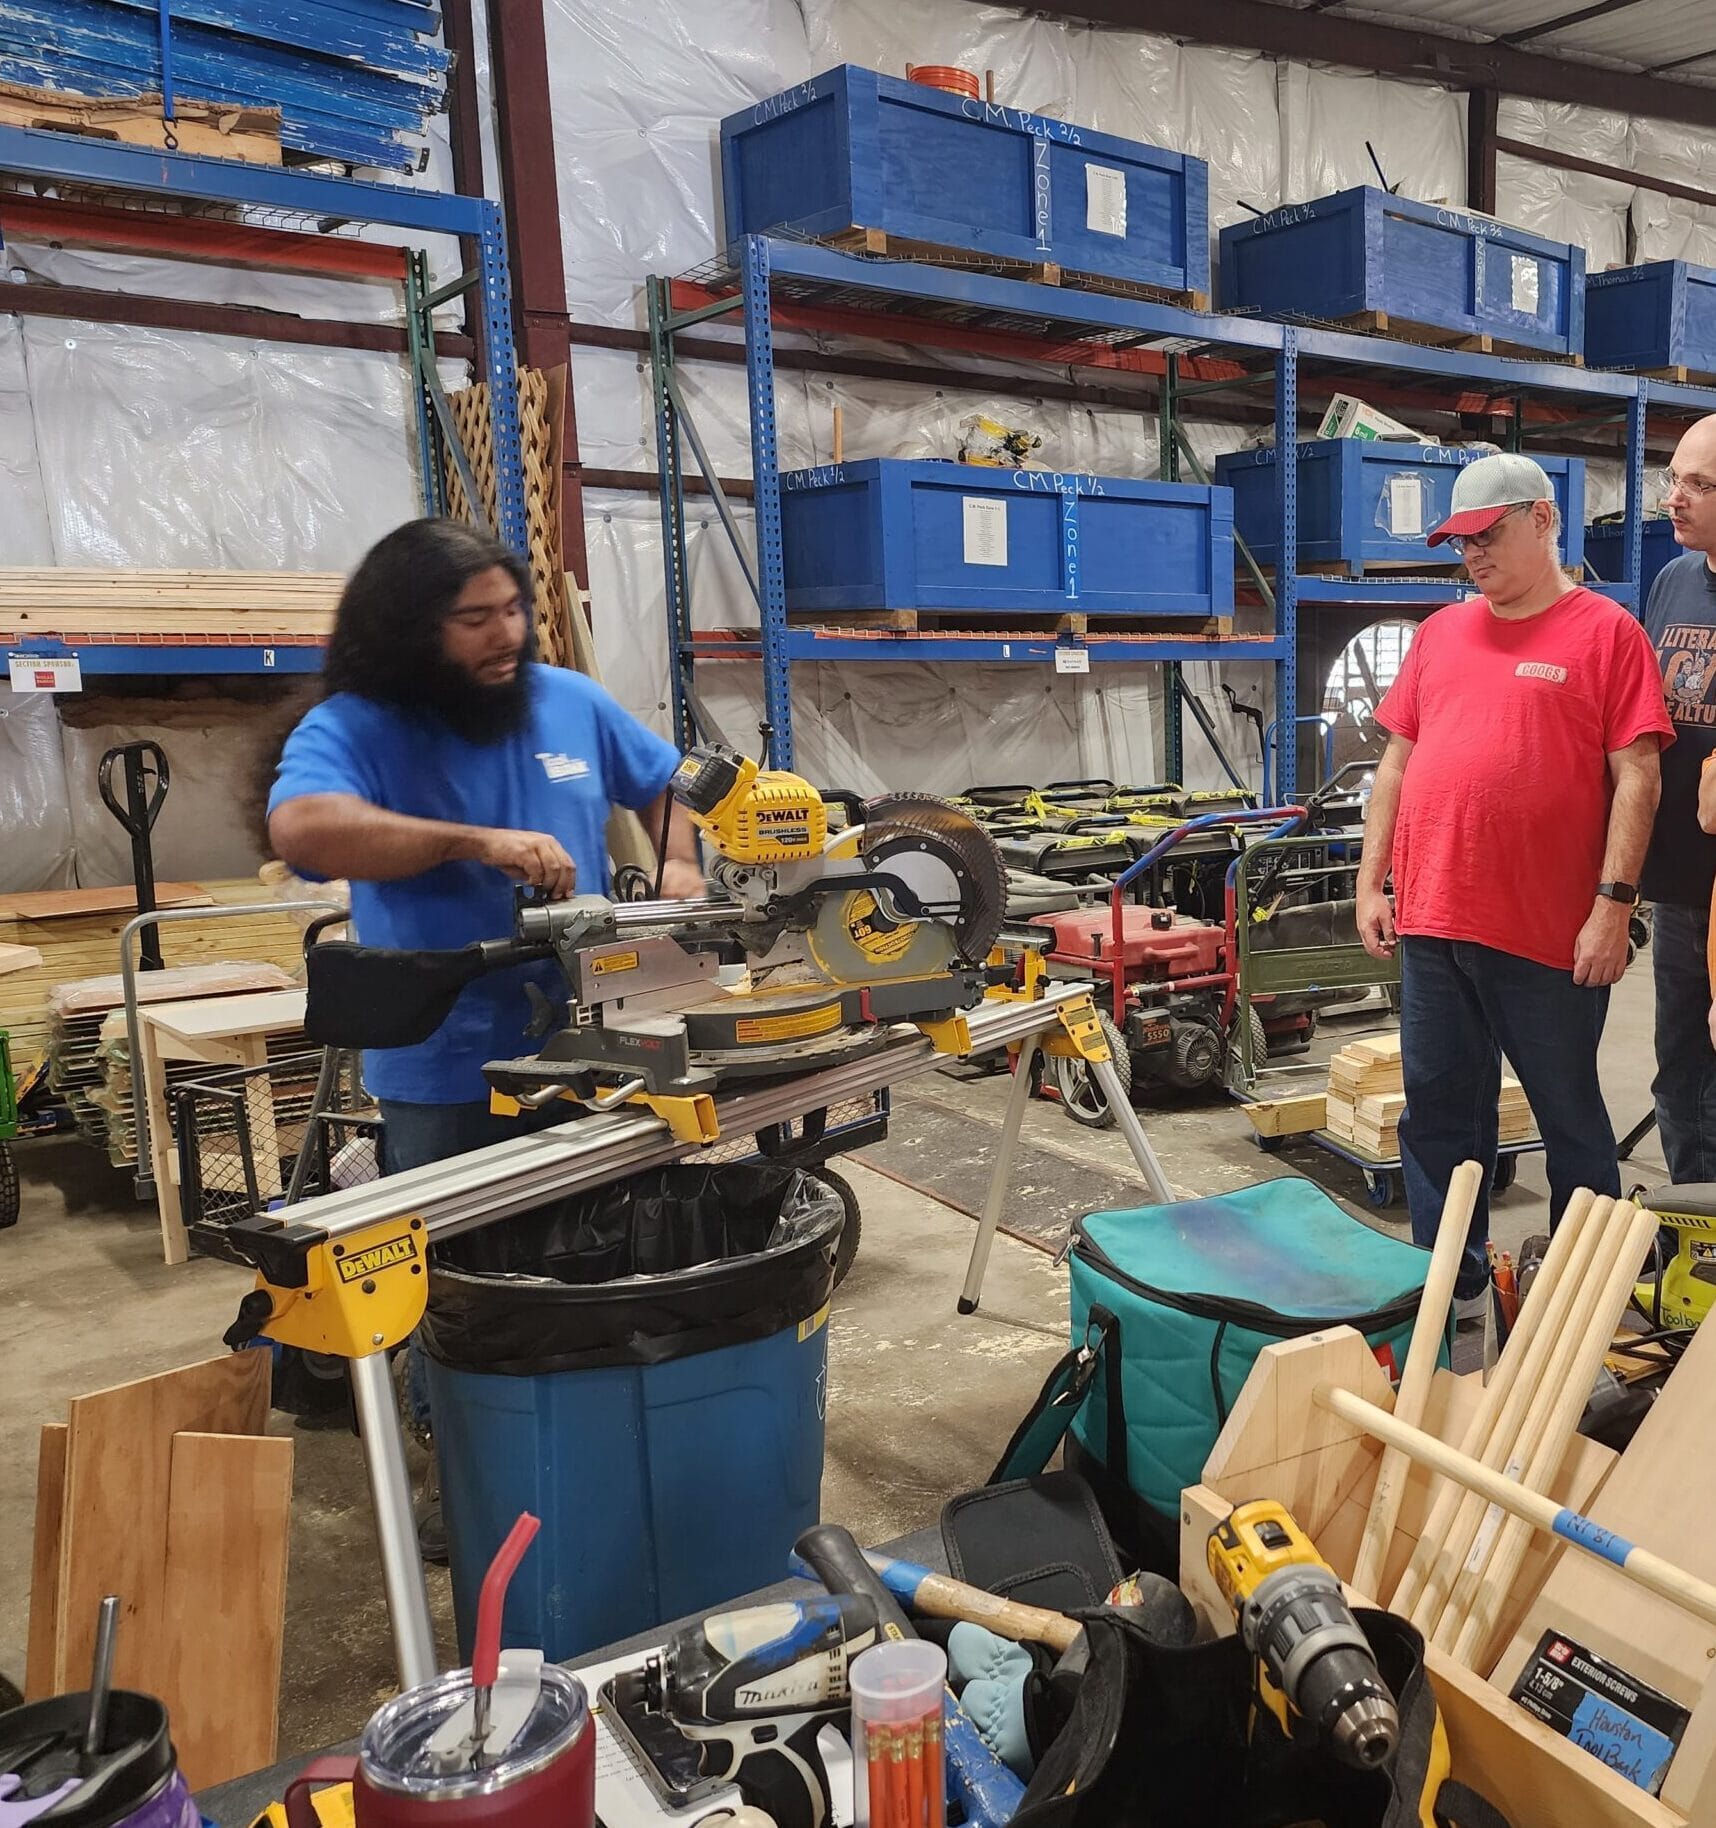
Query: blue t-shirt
x,y
578,754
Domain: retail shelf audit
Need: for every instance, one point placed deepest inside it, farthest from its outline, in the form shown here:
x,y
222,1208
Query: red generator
x,y
1166,985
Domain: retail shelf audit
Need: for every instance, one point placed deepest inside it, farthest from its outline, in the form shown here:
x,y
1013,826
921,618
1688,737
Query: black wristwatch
x,y
1624,892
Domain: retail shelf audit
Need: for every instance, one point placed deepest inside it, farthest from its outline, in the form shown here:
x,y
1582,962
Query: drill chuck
x,y
1298,1621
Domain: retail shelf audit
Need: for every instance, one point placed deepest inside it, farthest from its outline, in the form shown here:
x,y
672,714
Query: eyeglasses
x,y
1695,486
1462,543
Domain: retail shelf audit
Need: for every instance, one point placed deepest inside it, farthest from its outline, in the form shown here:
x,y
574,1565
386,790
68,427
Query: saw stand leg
x,y
395,1527
1019,1096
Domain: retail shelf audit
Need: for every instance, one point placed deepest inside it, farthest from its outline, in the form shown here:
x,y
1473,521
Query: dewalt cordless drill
x,y
1314,1663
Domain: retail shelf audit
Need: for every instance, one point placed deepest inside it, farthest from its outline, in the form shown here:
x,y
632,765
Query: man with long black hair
x,y
441,767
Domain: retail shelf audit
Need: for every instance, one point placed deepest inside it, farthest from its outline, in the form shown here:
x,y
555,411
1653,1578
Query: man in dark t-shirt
x,y
1681,864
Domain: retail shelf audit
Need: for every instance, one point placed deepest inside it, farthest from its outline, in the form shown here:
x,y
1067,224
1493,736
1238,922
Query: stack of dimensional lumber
x,y
76,931
353,80
286,608
108,1112
1367,1096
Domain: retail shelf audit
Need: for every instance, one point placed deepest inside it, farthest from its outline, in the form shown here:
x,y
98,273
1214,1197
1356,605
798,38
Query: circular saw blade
x,y
942,855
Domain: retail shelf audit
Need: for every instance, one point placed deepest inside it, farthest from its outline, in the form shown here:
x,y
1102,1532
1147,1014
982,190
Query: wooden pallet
x,y
1681,375
1015,623
1408,330
1041,272
542,422
83,603
1395,570
218,130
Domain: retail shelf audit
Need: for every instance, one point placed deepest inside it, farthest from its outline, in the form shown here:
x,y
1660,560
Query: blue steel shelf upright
x,y
315,200
827,288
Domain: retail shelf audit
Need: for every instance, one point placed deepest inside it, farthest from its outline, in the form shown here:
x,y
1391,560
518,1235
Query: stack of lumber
x,y
1367,1097
76,931
292,1065
352,80
72,602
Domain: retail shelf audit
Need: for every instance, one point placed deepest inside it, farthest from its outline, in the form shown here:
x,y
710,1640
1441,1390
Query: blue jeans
x,y
1463,1006
414,1135
1685,1083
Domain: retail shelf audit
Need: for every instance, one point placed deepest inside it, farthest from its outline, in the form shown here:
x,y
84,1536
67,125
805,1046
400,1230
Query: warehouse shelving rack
x,y
295,201
772,284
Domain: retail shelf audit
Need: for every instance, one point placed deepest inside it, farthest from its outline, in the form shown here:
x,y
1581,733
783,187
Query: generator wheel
x,y
10,1198
1081,1097
852,1230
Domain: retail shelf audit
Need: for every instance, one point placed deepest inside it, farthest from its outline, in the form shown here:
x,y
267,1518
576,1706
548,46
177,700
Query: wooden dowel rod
x,y
1428,1331
1565,1248
1455,1516
1585,1318
1478,1628
1639,1565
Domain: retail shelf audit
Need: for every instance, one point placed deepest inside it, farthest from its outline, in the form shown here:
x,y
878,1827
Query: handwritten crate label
x,y
1631,1728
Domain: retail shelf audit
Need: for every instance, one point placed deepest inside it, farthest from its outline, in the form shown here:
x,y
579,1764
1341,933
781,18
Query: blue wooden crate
x,y
1605,552
1364,253
891,534
1660,315
854,149
1364,503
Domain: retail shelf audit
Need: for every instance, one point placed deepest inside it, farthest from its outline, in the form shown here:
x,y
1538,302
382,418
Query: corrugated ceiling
x,y
1637,35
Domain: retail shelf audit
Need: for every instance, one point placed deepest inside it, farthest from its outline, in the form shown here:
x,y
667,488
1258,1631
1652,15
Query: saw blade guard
x,y
947,861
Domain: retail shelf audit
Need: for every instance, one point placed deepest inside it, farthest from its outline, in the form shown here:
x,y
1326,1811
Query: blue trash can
x,y
654,1389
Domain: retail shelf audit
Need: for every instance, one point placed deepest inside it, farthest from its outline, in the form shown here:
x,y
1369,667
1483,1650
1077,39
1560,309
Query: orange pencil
x,y
899,1784
935,1773
876,1766
915,1777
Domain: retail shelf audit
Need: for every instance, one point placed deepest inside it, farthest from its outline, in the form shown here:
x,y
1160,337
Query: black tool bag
x,y
1159,1736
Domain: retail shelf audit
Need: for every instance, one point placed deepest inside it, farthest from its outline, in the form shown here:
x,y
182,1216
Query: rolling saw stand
x,y
347,1273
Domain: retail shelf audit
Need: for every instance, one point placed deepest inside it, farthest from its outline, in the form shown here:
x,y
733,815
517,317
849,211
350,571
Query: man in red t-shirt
x,y
1515,801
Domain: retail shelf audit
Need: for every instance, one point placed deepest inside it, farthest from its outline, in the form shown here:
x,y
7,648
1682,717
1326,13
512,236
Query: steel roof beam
x,y
1455,63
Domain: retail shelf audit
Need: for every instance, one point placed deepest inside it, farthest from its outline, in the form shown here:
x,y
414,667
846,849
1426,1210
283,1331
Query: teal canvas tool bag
x,y
1170,1307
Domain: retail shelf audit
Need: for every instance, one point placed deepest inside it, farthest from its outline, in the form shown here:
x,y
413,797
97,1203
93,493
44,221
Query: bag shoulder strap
x,y
1061,1398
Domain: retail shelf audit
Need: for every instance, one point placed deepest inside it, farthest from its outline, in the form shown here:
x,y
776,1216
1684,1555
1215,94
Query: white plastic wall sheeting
x,y
161,448
1419,135
935,728
36,844
26,538
1572,206
1671,228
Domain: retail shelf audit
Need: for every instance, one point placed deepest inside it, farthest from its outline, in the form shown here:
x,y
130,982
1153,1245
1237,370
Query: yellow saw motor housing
x,y
751,814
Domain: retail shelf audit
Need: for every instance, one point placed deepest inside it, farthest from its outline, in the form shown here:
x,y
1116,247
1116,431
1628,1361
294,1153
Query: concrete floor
x,y
921,1401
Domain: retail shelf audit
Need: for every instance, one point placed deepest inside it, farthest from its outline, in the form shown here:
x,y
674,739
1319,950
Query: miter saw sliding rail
x,y
346,1273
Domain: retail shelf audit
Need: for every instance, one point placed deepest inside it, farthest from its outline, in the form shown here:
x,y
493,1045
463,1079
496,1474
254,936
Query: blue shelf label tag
x,y
1631,1728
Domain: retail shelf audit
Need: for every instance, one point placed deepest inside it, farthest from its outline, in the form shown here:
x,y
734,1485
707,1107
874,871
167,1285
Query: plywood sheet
x,y
118,1475
39,1660
228,1523
59,904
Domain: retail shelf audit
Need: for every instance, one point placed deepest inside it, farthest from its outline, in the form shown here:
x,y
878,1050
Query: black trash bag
x,y
666,1264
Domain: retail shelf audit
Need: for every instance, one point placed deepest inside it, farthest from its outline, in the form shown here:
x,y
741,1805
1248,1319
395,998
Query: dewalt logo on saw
x,y
785,824
372,1262
880,940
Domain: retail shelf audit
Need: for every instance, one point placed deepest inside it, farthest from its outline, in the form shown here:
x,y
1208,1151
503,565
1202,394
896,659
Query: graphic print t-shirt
x,y
1680,619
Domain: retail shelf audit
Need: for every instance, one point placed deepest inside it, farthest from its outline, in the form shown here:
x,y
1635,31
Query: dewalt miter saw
x,y
822,931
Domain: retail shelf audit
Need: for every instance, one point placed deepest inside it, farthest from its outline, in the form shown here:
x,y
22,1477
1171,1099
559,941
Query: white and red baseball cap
x,y
1485,490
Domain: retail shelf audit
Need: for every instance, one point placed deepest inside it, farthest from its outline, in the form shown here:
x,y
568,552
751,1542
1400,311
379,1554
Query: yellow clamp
x,y
1079,1036
362,1293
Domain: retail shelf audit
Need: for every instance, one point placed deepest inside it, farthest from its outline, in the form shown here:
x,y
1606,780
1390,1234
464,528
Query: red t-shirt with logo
x,y
1504,810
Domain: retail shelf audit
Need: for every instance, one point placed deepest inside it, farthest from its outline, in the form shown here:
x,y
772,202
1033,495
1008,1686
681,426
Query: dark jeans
x,y
1685,1083
1461,1008
416,1134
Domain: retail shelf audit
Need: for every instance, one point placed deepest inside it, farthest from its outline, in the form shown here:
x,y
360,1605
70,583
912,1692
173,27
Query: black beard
x,y
478,713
